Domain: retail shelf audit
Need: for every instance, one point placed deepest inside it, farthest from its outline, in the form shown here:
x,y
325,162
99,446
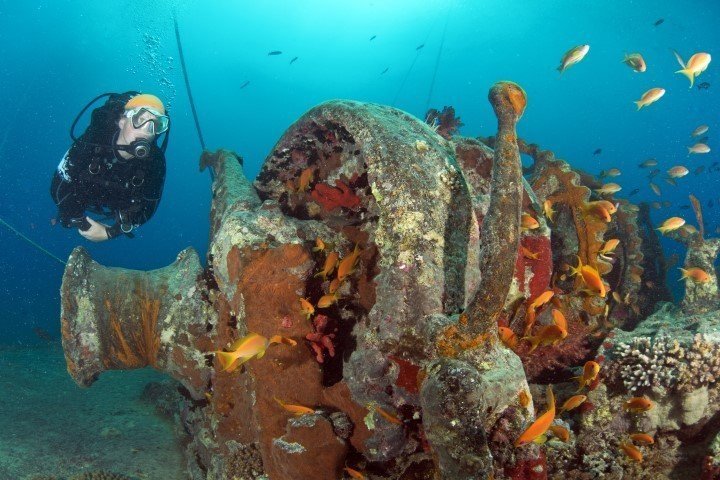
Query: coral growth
x,y
663,362
334,197
321,339
445,122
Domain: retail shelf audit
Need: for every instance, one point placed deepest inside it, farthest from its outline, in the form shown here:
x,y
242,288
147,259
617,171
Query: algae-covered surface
x,y
50,426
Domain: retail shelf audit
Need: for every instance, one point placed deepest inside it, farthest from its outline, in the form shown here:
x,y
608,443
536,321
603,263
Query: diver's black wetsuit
x,y
97,178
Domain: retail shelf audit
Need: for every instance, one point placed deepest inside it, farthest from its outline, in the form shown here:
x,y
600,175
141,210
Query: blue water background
x,y
57,55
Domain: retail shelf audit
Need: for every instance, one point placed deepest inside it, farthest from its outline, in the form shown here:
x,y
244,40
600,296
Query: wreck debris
x,y
399,369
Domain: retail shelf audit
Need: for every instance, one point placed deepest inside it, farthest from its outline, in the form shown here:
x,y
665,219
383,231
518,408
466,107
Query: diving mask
x,y
148,119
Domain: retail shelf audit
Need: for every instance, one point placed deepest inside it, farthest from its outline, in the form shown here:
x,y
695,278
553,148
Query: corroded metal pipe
x,y
461,400
501,227
116,319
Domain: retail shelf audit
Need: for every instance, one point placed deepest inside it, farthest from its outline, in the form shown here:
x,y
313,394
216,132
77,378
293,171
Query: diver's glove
x,y
97,231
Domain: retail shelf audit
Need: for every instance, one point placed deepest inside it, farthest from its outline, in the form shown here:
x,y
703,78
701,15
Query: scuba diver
x,y
115,168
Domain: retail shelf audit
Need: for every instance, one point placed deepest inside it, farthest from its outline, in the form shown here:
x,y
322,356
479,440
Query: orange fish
x,y
642,438
651,96
590,277
528,222
306,308
591,369
549,212
327,300
528,254
250,346
609,246
695,274
608,188
635,61
347,264
560,432
294,409
524,398
319,245
678,171
638,405
632,452
609,206
383,413
541,300
305,178
701,130
573,56
573,402
334,285
330,262
354,473
508,337
672,223
559,319
601,209
543,422
655,189
699,148
697,64
548,335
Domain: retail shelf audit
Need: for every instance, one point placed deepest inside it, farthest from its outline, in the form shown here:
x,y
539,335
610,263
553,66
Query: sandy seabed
x,y
50,426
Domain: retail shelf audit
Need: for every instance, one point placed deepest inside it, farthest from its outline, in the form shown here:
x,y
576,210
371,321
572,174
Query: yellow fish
x,y
252,345
672,223
655,189
697,64
573,56
651,96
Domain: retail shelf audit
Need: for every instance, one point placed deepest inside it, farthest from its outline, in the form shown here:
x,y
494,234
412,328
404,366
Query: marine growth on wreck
x,y
389,299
